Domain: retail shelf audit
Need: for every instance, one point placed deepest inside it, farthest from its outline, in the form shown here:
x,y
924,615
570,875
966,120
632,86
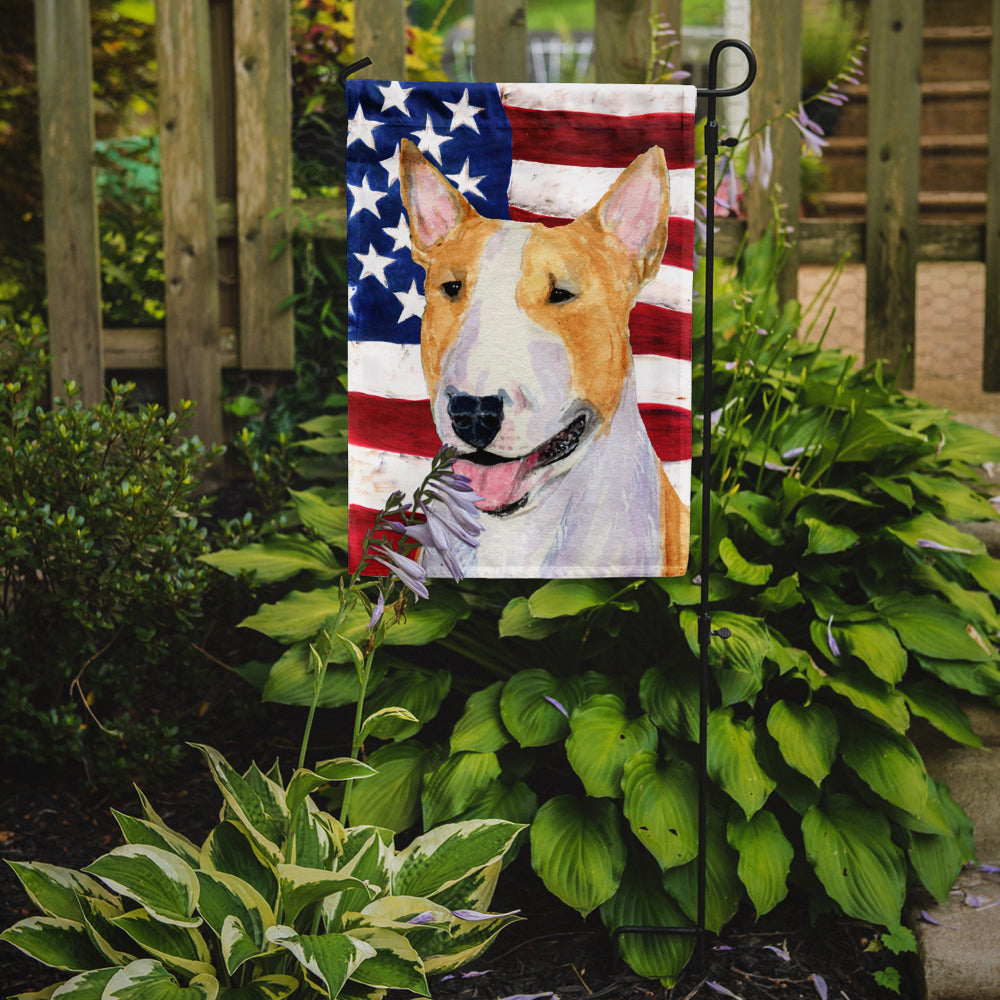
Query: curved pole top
x,y
713,69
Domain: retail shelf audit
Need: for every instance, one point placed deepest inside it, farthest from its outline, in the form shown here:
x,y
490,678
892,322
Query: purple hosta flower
x,y
557,704
719,988
465,975
990,869
780,952
834,648
410,573
430,535
928,543
728,195
427,917
812,134
531,996
475,915
377,611
761,163
820,983
927,918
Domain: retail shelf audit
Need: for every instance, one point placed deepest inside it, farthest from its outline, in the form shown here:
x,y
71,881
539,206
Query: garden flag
x,y
520,277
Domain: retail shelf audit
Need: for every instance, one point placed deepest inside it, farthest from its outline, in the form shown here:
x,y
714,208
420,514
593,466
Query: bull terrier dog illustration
x,y
525,351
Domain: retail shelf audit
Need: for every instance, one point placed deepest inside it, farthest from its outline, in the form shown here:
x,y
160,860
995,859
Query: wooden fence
x,y
226,160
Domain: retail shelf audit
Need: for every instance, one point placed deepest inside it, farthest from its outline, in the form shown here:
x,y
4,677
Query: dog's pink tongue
x,y
499,485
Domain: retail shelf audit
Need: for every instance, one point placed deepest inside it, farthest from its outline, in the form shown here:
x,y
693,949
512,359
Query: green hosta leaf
x,y
238,944
976,605
260,809
965,443
876,646
783,595
765,858
758,511
602,738
807,736
443,856
738,569
976,678
230,849
330,959
292,681
415,689
986,571
517,620
723,889
279,558
147,979
578,851
327,520
558,598
481,728
937,859
528,710
661,799
732,760
225,897
54,941
56,891
671,700
641,901
141,831
850,848
159,881
893,488
827,539
888,763
870,435
275,987
864,692
932,628
395,964
391,798
738,661
928,528
941,709
301,887
180,948
516,803
456,784
957,501
385,723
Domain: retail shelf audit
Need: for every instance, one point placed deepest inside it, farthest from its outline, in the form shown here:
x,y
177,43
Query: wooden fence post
x,y
190,251
623,37
776,35
262,61
991,332
501,41
893,183
380,34
72,255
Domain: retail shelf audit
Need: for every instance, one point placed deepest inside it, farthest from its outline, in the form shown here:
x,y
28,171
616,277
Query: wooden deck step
x,y
958,206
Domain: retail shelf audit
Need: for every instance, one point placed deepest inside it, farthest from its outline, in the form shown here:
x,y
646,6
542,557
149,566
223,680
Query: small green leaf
x,y
279,558
928,528
765,858
936,704
535,706
559,598
807,736
732,760
301,887
827,539
481,727
327,520
888,763
391,798
177,947
739,569
517,620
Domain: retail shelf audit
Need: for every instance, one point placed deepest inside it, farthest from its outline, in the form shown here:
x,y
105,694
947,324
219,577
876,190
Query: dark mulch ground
x,y
550,952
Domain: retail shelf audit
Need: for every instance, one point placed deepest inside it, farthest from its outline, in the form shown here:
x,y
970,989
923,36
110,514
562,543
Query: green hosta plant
x,y
279,900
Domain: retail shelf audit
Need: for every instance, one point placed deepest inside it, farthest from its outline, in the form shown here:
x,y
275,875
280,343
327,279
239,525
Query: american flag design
x,y
526,152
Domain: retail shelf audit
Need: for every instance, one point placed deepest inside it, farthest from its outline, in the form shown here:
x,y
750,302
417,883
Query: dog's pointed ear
x,y
434,207
636,209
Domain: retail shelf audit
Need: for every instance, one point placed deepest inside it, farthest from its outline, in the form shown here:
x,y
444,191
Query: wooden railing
x,y
226,156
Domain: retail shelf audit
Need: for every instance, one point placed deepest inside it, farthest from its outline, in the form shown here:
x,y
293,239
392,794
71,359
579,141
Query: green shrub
x,y
279,900
101,584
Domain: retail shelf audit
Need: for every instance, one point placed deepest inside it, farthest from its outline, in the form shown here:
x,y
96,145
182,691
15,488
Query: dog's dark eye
x,y
560,295
451,288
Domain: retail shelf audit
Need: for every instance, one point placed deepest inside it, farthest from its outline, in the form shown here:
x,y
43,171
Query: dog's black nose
x,y
476,419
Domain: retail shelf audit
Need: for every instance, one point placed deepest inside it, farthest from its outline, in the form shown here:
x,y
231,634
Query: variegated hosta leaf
x,y
475,891
256,801
468,939
732,760
54,941
56,891
147,979
456,784
116,946
315,838
300,887
158,880
850,847
329,959
141,831
395,964
807,736
765,858
441,857
177,947
238,944
535,706
481,728
661,800
642,902
274,987
224,897
304,782
417,690
230,849
578,851
367,853
86,986
602,737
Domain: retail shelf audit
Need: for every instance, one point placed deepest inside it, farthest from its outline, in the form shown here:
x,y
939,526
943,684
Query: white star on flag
x,y
400,234
428,141
374,264
364,197
360,128
413,302
465,183
391,167
351,289
463,113
395,97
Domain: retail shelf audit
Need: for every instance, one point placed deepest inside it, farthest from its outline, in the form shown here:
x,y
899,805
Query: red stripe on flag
x,y
669,430
360,521
402,426
581,138
655,330
680,241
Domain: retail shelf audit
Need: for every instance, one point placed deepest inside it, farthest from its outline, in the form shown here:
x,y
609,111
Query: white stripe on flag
x,y
373,475
635,100
664,381
671,289
381,368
